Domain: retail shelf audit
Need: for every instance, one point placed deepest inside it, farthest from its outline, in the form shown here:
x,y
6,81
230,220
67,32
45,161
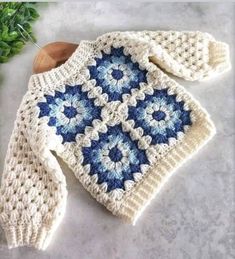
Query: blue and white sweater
x,y
119,122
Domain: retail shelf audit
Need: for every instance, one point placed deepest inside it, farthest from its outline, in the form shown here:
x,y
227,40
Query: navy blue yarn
x,y
69,135
96,167
115,154
159,115
117,74
139,75
184,119
70,112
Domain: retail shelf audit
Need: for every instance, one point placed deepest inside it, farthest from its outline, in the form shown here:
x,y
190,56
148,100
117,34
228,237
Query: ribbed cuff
x,y
37,236
219,56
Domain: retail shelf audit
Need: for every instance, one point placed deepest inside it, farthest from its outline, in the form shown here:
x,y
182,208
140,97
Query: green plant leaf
x,y
4,45
18,44
3,59
11,14
33,13
12,35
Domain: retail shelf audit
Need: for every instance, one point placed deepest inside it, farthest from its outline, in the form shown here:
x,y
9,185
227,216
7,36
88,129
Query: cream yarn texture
x,y
116,118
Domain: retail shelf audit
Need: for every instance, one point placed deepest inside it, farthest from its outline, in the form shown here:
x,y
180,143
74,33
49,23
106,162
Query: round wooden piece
x,y
53,55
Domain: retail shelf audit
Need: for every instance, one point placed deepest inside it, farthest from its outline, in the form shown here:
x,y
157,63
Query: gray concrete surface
x,y
192,217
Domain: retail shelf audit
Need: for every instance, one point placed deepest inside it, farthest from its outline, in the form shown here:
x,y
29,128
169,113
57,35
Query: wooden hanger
x,y
52,55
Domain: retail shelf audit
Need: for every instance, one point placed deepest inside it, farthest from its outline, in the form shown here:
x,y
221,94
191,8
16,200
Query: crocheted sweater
x,y
118,121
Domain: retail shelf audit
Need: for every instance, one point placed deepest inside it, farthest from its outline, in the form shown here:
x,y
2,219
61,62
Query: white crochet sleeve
x,y
33,191
192,55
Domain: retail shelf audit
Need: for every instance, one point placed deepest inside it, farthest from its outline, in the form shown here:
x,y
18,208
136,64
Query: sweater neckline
x,y
59,74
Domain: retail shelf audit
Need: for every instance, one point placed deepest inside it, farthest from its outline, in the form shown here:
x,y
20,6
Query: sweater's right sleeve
x,y
32,195
192,55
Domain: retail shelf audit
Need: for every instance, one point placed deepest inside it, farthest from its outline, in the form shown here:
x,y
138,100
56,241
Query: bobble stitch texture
x,y
120,123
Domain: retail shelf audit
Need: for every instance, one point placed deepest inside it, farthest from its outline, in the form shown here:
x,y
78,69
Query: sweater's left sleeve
x,y
192,55
33,189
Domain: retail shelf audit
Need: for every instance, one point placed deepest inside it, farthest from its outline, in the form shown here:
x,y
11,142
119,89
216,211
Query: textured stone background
x,y
193,215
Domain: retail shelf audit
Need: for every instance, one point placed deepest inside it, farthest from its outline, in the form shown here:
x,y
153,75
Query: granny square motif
x,y
116,73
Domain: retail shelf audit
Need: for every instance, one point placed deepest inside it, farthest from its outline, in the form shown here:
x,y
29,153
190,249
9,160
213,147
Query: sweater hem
x,y
133,206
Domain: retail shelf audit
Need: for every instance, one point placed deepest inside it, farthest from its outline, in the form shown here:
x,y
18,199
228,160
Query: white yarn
x,y
33,188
